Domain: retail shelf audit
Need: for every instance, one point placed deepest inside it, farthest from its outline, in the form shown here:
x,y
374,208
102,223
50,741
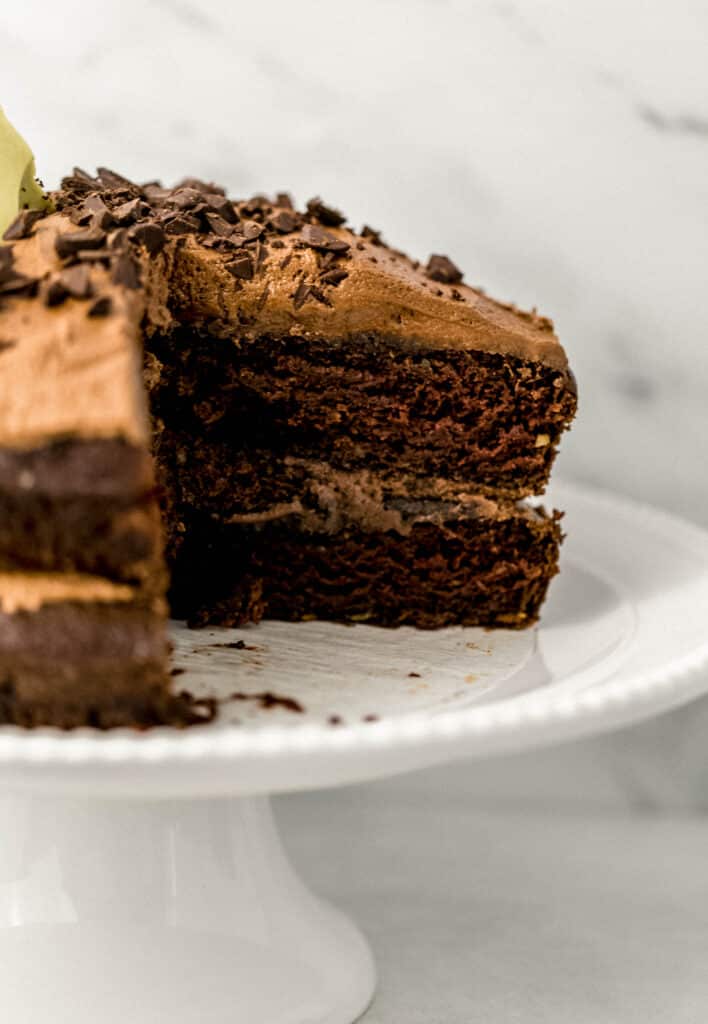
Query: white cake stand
x,y
141,878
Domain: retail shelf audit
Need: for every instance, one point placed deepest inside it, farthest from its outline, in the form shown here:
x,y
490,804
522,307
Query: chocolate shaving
x,y
6,258
256,204
317,238
18,284
70,243
86,178
129,212
111,179
284,199
151,236
334,276
76,282
101,307
259,256
54,293
241,267
285,221
319,295
302,294
222,206
371,235
182,224
442,269
218,224
93,256
263,298
184,198
126,271
23,225
251,230
205,187
326,215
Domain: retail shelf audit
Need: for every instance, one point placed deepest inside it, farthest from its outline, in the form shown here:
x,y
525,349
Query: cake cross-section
x,y
232,409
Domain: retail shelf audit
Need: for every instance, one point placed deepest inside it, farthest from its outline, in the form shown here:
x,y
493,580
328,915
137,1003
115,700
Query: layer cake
x,y
234,410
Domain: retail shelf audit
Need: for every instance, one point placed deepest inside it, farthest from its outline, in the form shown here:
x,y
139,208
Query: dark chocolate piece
x,y
442,269
23,224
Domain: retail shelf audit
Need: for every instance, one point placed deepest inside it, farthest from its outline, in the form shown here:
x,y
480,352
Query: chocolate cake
x,y
233,409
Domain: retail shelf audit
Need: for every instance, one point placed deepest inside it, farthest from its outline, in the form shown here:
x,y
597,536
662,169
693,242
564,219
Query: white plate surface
x,y
623,637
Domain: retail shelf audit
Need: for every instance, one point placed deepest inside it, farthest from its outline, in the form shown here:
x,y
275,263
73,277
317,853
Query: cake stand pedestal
x,y
141,877
184,911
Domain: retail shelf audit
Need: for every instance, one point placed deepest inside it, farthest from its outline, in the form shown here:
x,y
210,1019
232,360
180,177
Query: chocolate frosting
x,y
32,590
75,373
384,293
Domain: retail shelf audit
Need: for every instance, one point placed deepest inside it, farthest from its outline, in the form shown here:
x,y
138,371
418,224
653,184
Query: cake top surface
x,y
76,285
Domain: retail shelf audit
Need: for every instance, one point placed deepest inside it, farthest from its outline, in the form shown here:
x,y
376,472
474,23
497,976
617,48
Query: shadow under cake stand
x,y
141,876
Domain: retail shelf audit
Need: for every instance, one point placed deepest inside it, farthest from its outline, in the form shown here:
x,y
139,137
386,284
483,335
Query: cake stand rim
x,y
517,723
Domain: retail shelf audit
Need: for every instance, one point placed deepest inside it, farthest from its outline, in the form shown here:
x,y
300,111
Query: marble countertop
x,y
488,910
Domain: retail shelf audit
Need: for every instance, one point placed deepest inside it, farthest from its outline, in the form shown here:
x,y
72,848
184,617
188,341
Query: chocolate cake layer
x,y
490,419
443,564
79,505
72,663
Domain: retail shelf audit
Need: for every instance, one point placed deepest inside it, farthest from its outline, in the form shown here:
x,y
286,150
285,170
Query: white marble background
x,y
557,151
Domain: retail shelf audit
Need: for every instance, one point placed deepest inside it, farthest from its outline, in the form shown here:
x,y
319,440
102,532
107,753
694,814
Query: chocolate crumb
x,y
335,720
414,675
178,671
266,699
370,718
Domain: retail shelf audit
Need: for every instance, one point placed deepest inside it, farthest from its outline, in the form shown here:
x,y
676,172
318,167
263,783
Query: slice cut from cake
x,y
335,432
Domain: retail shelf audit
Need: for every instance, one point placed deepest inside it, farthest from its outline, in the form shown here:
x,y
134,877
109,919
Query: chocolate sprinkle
x,y
442,269
23,224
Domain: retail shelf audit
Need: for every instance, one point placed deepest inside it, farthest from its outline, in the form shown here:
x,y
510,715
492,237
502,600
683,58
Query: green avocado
x,y
19,188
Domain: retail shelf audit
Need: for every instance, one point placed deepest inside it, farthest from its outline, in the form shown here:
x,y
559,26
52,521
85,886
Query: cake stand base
x,y
184,911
